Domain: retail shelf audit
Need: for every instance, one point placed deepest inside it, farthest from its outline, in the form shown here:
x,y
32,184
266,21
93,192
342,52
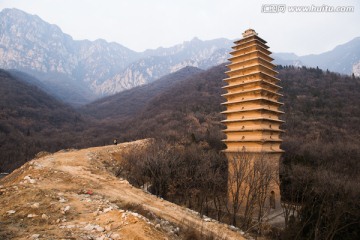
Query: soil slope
x,y
73,194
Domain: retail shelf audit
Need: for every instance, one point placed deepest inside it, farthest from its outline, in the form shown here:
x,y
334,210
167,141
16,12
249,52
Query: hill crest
x,y
73,194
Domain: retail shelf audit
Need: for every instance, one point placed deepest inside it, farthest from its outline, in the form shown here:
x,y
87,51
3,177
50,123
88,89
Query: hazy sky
x,y
144,24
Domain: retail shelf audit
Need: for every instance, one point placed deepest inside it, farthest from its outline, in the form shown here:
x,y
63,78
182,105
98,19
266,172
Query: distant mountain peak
x,y
18,15
14,12
285,55
196,39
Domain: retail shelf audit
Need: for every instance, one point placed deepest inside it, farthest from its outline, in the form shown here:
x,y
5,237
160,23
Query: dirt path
x,y
72,195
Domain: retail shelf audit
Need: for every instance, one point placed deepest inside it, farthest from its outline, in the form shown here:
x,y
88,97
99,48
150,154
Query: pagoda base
x,y
254,176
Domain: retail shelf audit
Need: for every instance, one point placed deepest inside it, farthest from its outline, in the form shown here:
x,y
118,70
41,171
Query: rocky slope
x,y
73,194
162,61
29,44
92,69
356,69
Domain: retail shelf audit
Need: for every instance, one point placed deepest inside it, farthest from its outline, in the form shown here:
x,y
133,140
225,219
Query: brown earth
x,y
73,194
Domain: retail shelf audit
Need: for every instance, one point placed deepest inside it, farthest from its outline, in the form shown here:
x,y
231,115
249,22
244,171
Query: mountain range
x,y
80,71
344,59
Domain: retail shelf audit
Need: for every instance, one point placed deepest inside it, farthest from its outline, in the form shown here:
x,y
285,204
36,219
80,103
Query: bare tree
x,y
239,164
252,177
327,205
266,177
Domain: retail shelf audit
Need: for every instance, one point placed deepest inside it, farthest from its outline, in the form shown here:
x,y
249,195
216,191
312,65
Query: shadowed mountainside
x,y
190,107
31,121
130,102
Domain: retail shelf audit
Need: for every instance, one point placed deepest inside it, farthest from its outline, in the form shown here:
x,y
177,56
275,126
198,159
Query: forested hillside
x,y
130,102
322,156
321,109
321,139
321,113
322,118
32,121
189,109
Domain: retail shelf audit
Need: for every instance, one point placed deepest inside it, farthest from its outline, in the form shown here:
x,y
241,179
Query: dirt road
x,y
72,195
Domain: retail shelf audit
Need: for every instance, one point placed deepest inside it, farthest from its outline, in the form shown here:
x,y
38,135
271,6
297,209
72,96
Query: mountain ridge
x,y
343,58
91,69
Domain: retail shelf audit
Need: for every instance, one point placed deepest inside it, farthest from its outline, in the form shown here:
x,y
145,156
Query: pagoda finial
x,y
249,32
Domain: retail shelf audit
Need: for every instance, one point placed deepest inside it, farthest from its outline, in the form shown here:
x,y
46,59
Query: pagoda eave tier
x,y
258,72
249,67
260,81
253,130
249,38
249,53
259,109
252,119
250,48
254,90
250,151
234,64
263,140
254,100
251,42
